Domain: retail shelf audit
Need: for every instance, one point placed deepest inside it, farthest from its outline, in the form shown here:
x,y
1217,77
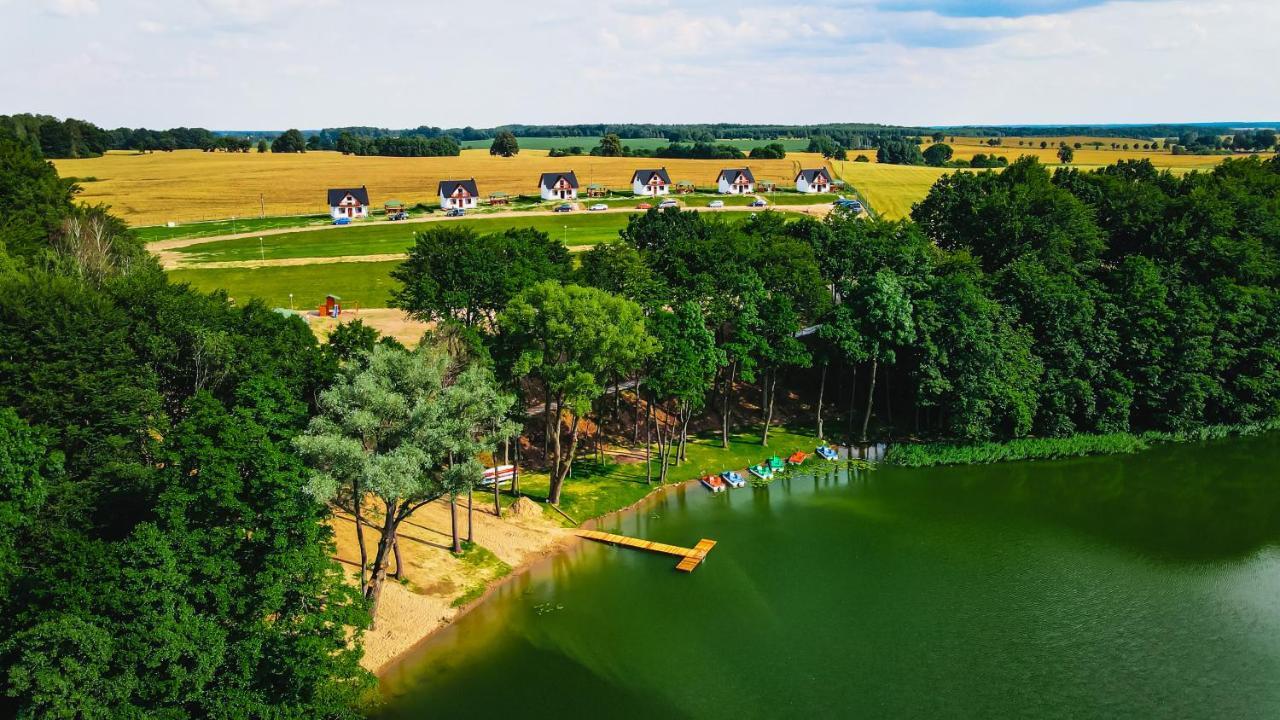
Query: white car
x,y
668,203
716,204
599,206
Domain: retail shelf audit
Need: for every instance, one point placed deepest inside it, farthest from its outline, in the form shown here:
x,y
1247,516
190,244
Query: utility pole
x,y
262,205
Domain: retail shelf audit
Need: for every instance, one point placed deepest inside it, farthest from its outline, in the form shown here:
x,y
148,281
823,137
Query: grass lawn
x,y
795,198
214,228
368,284
375,238
596,489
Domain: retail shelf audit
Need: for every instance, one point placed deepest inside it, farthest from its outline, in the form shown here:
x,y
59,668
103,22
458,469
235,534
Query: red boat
x,y
797,457
714,483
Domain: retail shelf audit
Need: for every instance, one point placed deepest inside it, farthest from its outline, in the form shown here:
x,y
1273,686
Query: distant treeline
x,y
1127,131
72,138
403,146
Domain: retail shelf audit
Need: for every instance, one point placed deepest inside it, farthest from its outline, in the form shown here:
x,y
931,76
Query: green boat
x,y
776,464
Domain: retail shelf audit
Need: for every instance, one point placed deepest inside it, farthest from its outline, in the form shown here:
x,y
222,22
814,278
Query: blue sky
x,y
241,64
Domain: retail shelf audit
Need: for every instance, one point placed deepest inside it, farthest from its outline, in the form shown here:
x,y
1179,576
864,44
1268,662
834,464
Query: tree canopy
x,y
504,144
145,434
289,141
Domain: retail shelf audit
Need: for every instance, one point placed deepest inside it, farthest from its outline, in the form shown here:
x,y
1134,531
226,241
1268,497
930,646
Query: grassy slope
x,y
597,489
368,284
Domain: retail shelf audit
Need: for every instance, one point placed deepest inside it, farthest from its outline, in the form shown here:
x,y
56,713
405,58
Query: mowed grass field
x,y
189,185
378,238
367,284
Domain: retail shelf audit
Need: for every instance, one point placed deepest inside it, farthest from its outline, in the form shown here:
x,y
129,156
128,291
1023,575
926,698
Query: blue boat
x,y
827,452
733,478
761,471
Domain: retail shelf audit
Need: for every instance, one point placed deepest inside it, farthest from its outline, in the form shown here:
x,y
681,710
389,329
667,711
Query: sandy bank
x,y
434,579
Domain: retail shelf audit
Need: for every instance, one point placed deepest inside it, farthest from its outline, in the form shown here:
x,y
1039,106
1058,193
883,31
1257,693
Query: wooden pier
x,y
690,558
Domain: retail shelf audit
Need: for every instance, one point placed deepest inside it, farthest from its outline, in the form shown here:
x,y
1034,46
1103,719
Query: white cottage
x,y
736,181
651,182
558,186
348,202
817,180
460,194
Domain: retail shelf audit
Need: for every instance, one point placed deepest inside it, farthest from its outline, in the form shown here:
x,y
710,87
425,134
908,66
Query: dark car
x,y
455,212
564,207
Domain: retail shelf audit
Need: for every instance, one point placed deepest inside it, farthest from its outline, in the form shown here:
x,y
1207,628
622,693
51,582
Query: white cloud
x,y
73,8
218,63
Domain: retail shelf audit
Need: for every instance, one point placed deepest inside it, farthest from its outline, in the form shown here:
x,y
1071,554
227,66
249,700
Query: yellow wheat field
x,y
891,190
1085,156
191,185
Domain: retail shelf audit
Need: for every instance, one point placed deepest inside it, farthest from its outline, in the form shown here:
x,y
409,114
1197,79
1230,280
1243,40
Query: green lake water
x,y
1134,586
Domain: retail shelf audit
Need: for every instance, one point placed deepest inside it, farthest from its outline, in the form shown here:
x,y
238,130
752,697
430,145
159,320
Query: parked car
x,y
848,204
668,203
758,202
455,212
402,215
643,206
716,204
598,206
342,221
563,207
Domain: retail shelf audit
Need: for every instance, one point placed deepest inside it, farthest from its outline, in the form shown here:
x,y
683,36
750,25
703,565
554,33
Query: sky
x,y
274,64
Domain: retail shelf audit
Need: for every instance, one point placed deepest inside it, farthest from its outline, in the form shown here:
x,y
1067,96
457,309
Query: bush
x,y
931,454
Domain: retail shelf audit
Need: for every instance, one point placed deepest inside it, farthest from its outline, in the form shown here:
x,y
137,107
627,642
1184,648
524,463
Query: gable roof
x,y
549,180
812,174
447,188
337,194
644,176
731,174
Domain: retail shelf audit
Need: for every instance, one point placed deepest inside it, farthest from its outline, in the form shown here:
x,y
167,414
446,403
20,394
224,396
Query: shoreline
x,y
546,554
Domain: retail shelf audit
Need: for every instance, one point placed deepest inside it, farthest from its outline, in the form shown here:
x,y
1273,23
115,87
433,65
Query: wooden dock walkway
x,y
690,558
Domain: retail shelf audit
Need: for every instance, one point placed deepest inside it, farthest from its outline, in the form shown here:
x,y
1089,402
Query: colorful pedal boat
x,y
761,471
797,457
827,452
734,478
714,483
776,464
